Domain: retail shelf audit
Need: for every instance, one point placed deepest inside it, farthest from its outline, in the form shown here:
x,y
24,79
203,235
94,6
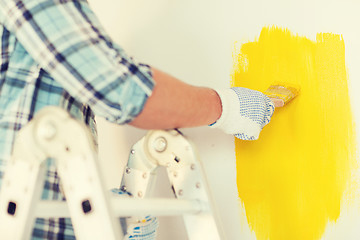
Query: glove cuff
x,y
229,101
231,121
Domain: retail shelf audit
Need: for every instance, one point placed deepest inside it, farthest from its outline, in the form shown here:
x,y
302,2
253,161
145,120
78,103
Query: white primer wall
x,y
193,40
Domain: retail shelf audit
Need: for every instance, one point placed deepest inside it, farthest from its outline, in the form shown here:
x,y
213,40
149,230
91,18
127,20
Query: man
x,y
55,52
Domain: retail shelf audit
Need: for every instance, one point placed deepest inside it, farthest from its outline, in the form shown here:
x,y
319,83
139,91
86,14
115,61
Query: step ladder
x,y
53,133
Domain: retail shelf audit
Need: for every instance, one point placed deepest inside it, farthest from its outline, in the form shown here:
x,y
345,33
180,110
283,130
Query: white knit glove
x,y
137,228
144,230
244,112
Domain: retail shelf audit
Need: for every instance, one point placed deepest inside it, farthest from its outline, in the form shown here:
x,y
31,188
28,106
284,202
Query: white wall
x,y
193,40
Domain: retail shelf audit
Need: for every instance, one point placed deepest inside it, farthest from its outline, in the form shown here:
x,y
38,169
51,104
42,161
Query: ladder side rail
x,y
54,133
72,146
176,153
21,187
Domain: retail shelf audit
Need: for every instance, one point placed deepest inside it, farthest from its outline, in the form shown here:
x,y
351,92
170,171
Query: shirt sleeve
x,y
66,39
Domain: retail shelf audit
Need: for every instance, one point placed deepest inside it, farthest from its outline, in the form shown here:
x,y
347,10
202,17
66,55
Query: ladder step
x,y
124,207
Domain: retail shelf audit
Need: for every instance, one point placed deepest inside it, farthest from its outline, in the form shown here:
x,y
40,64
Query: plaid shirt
x,y
55,52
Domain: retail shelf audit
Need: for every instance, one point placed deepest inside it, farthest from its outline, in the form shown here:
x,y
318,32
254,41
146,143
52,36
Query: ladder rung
x,y
124,207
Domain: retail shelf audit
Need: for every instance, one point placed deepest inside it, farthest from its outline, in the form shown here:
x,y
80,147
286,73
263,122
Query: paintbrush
x,y
282,93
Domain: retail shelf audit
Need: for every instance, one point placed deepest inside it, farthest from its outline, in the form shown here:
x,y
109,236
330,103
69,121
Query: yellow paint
x,y
291,181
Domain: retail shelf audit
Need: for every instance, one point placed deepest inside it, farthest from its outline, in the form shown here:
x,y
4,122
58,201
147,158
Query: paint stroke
x,y
291,181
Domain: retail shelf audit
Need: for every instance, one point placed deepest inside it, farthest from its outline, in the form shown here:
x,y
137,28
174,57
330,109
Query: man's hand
x,y
244,112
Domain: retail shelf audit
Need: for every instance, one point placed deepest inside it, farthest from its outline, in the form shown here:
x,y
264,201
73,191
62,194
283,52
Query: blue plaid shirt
x,y
55,52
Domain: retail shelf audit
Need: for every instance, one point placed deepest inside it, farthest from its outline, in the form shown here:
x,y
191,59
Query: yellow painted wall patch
x,y
291,181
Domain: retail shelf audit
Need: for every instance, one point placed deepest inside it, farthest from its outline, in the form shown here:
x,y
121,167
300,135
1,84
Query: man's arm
x,y
176,104
66,39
